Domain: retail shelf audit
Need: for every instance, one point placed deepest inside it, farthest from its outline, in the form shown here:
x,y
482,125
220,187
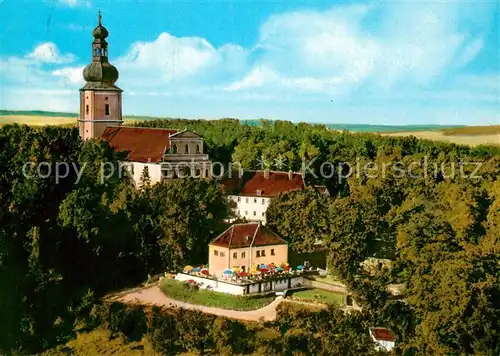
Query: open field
x,y
454,136
33,120
36,120
320,295
472,130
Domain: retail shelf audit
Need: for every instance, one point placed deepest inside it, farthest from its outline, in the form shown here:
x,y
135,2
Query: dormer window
x,y
259,192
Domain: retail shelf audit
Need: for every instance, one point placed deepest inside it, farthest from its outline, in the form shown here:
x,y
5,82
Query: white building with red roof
x,y
164,153
252,191
383,338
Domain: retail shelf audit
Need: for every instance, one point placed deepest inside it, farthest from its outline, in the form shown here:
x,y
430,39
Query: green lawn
x,y
320,295
177,290
331,279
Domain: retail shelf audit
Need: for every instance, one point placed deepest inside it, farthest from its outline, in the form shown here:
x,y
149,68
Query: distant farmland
x,y
464,135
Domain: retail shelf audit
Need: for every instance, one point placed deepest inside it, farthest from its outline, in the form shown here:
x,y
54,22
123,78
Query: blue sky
x,y
404,62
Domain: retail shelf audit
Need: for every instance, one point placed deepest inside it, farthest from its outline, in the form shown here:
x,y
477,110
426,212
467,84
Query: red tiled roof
x,y
244,235
321,189
382,334
142,144
253,181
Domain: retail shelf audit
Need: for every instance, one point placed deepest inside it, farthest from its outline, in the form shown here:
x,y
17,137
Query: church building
x,y
162,153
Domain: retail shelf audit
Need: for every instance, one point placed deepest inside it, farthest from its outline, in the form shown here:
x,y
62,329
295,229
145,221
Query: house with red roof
x,y
383,338
244,246
252,191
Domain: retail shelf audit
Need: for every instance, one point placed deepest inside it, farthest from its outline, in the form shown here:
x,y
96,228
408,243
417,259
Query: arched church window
x,y
187,148
197,148
174,149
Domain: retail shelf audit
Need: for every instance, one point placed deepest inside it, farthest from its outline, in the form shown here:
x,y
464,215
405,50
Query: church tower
x,y
100,98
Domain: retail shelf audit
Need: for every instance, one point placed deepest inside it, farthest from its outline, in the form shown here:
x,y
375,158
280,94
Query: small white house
x,y
383,338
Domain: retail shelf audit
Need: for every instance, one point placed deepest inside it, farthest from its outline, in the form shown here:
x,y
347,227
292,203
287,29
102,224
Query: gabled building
x,y
252,191
245,245
166,154
383,338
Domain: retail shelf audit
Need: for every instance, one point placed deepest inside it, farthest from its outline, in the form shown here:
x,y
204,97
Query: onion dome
x,y
101,72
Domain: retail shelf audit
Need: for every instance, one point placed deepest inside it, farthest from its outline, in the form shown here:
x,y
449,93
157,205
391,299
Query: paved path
x,y
154,296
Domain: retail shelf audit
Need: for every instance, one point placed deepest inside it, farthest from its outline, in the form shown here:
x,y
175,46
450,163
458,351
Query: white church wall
x,y
136,169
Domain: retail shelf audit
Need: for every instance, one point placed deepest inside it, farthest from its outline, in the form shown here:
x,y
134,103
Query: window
x,y
239,199
272,252
107,109
174,149
106,98
86,109
186,150
197,148
259,192
255,200
254,213
222,254
258,253
243,255
216,253
263,213
246,200
246,212
263,253
235,254
263,201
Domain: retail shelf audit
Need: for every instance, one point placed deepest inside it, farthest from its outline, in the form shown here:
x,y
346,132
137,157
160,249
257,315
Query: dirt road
x,y
154,296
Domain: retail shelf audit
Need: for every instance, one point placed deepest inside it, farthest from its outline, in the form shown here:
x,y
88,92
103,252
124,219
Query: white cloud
x,y
75,3
49,53
75,27
180,59
70,75
470,51
339,50
257,77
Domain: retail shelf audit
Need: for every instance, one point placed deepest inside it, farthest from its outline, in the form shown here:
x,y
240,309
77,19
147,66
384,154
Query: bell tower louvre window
x,y
107,109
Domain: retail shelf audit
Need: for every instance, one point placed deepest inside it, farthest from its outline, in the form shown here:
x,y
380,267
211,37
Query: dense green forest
x,y
65,242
